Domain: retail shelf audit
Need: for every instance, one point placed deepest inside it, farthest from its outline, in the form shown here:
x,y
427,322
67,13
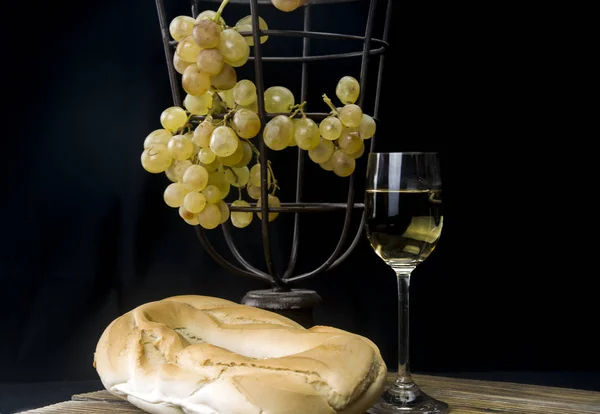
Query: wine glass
x,y
403,208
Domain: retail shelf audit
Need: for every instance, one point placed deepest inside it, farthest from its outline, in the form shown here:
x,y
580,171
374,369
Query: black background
x,y
86,235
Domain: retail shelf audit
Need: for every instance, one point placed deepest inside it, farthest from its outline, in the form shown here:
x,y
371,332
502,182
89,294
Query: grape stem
x,y
330,104
221,8
299,108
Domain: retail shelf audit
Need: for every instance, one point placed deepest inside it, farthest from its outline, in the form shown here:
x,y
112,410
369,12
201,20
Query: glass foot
x,y
407,398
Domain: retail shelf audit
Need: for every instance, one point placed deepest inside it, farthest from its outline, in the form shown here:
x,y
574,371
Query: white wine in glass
x,y
404,219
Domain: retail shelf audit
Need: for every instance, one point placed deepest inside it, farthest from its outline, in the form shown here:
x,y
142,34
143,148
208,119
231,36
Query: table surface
x,y
464,396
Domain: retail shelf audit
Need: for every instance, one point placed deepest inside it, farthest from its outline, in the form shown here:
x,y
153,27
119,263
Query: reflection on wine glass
x,y
403,207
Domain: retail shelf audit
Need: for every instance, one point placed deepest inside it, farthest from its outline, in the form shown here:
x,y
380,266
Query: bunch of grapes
x,y
204,159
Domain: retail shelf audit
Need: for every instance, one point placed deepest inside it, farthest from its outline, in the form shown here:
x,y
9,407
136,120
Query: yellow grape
x,y
227,97
206,156
327,165
244,92
195,178
197,148
343,164
347,90
210,61
181,26
306,133
212,193
213,166
156,159
218,179
224,208
198,105
225,79
253,106
279,100
349,141
367,127
245,25
246,123
253,191
195,82
202,133
210,216
278,132
157,137
176,170
287,5
331,128
207,34
247,155
238,177
234,48
241,219
189,217
180,147
173,118
180,65
223,141
234,158
350,115
209,15
273,201
187,49
194,202
358,153
255,177
174,194
322,152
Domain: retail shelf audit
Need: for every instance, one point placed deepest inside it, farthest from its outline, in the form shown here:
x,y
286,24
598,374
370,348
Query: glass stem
x,y
404,378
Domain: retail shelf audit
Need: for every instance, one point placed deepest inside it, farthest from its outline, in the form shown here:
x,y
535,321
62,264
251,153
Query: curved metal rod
x,y
268,2
164,30
320,58
386,30
201,233
225,227
312,115
300,168
300,207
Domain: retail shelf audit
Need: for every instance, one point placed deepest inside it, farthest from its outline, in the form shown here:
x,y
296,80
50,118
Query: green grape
x,y
327,165
180,65
195,82
189,217
212,194
156,159
227,97
367,127
255,177
241,219
322,152
279,100
225,79
198,105
287,5
157,137
234,158
247,155
343,164
174,194
253,106
246,123
306,133
238,177
218,179
209,15
213,166
176,170
358,153
331,128
187,49
173,118
180,147
245,25
347,90
224,208
253,191
194,202
350,115
210,61
197,148
234,48
207,33
181,26
244,92
195,178
223,141
206,156
202,133
273,201
278,132
210,216
349,141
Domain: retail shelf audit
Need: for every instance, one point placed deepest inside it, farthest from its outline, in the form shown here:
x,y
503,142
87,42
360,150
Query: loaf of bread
x,y
205,355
